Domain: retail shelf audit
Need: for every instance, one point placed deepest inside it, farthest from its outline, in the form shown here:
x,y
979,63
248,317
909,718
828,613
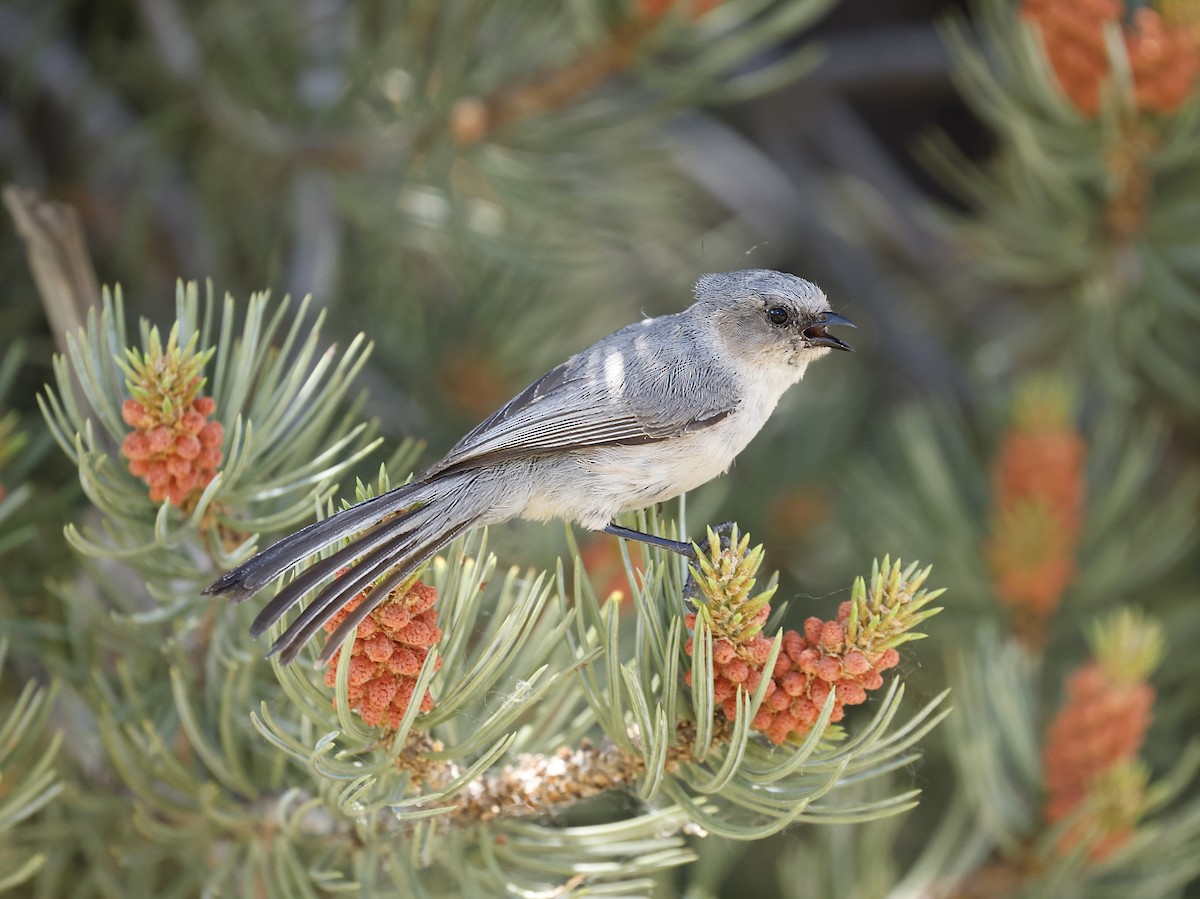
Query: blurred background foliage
x,y
1005,197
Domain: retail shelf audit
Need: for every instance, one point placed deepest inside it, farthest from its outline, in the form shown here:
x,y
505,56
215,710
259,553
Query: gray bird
x,y
649,412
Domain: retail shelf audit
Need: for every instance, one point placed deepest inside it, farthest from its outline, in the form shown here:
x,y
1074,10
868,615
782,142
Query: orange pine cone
x,y
1038,588
1164,60
165,453
1163,51
655,9
1100,724
1048,466
839,657
1038,489
1073,37
806,672
172,446
389,650
1089,755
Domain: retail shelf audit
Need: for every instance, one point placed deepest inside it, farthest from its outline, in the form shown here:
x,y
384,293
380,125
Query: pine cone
x,y
173,446
389,650
846,657
1073,37
1095,738
1039,489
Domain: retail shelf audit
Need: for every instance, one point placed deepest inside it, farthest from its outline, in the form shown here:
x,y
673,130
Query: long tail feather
x,y
335,595
247,579
290,646
308,579
379,593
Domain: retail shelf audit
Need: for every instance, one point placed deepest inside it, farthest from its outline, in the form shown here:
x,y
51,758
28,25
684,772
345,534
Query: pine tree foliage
x,y
547,701
289,438
1089,215
940,457
28,779
1004,789
1082,217
993,838
16,458
436,168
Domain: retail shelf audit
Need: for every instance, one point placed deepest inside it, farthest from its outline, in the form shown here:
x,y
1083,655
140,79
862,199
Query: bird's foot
x,y
724,532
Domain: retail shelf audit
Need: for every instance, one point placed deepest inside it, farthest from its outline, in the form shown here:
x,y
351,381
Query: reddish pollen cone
x,y
844,658
1039,490
1090,754
390,647
1163,51
173,446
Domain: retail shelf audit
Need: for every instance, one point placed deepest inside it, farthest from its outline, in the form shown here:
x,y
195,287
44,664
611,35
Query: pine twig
x,y
474,118
539,783
58,258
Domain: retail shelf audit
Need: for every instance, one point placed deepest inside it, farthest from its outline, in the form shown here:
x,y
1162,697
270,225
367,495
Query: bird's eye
x,y
778,316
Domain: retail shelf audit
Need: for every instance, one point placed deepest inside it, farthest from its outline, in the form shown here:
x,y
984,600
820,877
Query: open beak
x,y
817,335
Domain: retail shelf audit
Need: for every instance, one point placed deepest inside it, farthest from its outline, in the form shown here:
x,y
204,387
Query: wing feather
x,y
618,392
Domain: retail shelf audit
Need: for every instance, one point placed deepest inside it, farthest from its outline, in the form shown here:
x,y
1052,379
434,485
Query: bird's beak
x,y
817,335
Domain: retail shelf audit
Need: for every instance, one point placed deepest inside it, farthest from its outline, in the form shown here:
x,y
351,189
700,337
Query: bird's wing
x,y
607,395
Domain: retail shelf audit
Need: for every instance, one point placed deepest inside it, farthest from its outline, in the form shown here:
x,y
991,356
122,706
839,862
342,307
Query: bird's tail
x,y
392,536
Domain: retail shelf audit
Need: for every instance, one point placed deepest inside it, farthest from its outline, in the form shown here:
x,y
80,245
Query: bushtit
x,y
643,415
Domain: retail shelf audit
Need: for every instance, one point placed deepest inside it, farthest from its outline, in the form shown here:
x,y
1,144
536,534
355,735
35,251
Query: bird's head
x,y
769,319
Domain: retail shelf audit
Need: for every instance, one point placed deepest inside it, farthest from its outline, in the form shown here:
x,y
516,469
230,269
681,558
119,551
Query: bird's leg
x,y
675,546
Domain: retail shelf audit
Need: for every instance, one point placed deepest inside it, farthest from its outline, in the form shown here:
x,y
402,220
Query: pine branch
x,y
538,785
1079,210
467,703
473,118
28,780
58,258
929,477
284,444
1098,836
